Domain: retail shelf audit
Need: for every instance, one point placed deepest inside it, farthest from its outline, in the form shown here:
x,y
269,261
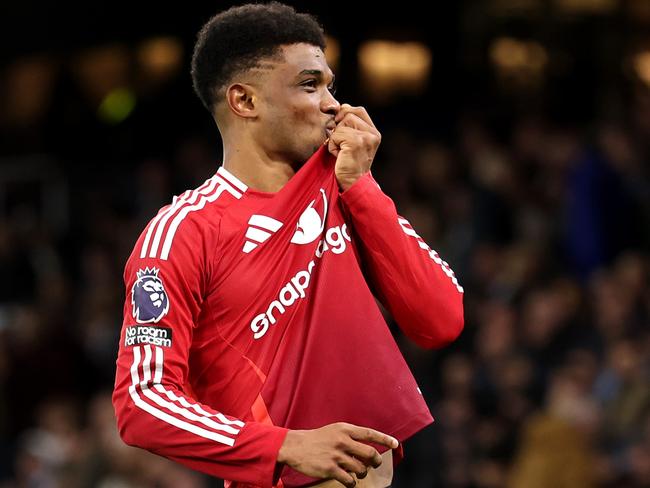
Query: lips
x,y
329,128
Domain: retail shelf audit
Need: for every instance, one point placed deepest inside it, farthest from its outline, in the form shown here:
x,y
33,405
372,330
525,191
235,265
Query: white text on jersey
x,y
295,289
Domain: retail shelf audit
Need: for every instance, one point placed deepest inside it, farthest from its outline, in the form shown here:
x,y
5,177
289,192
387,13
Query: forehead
x,y
299,57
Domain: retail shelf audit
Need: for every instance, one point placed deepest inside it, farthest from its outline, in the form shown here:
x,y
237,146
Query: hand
x,y
333,451
354,142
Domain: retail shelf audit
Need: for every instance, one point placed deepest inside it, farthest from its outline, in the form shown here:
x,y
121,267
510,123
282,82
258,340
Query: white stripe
x,y
434,255
146,366
176,201
181,202
232,190
134,367
265,222
258,235
232,179
225,420
159,365
152,225
183,401
165,417
169,239
154,397
249,246
408,230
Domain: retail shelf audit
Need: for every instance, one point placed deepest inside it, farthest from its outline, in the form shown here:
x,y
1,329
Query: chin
x,y
310,150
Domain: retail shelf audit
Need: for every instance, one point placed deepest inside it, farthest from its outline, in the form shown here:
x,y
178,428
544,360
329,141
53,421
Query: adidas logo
x,y
260,228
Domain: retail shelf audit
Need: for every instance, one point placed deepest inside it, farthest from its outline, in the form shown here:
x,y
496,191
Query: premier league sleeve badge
x,y
148,297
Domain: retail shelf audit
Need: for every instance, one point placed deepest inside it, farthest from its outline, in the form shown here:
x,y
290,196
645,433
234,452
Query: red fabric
x,y
285,336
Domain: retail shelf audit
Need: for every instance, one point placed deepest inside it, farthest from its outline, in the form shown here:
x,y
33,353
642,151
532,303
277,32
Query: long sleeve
x,y
409,278
152,403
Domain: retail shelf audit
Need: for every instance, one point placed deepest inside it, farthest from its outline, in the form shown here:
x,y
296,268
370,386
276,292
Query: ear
x,y
242,99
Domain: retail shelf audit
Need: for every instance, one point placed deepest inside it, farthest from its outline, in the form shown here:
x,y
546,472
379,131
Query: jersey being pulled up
x,y
249,313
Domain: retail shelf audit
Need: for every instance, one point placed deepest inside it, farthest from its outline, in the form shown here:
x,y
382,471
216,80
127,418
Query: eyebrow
x,y
315,72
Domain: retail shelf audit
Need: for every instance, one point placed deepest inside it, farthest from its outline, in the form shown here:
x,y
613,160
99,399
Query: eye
x,y
311,83
332,89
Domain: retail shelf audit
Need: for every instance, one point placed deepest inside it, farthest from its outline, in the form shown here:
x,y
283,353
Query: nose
x,y
329,104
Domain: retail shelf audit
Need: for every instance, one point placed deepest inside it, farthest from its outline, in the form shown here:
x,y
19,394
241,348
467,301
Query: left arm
x,y
411,280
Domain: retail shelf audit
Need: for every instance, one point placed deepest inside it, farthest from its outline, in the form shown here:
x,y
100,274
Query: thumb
x,y
332,147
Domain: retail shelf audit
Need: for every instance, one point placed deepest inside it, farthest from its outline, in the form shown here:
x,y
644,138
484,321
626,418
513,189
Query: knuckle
x,y
340,442
344,426
369,452
331,468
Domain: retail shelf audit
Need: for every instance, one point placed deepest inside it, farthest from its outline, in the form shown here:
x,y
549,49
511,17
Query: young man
x,y
252,347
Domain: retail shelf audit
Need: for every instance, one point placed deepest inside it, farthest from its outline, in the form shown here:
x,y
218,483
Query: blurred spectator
x,y
557,445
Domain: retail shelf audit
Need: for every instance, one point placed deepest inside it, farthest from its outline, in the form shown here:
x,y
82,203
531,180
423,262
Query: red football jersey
x,y
249,313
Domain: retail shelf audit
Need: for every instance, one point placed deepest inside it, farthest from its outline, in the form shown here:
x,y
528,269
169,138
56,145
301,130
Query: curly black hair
x,y
239,38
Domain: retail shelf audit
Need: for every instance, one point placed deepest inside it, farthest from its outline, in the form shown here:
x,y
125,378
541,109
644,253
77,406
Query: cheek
x,y
304,110
305,119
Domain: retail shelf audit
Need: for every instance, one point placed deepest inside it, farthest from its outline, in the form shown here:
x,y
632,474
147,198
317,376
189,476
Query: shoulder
x,y
190,221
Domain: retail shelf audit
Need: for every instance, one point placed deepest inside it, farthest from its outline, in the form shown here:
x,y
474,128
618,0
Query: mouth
x,y
329,128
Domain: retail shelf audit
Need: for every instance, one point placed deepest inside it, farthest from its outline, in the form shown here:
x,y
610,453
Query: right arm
x,y
153,410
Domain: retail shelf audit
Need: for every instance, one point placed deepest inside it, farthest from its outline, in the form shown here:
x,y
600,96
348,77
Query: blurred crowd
x,y
546,224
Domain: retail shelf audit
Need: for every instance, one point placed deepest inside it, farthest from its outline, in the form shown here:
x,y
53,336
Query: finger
x,y
344,477
367,434
352,465
332,147
367,454
356,122
346,135
358,111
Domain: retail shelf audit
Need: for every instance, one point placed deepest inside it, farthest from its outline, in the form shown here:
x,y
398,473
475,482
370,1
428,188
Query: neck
x,y
256,168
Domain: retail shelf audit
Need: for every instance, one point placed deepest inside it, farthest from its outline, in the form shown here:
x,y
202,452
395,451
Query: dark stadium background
x,y
523,158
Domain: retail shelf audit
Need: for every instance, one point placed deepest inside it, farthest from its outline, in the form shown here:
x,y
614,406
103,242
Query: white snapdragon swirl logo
x,y
310,224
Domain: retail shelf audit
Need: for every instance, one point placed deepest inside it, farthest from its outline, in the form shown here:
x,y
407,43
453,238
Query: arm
x,y
415,285
410,279
153,409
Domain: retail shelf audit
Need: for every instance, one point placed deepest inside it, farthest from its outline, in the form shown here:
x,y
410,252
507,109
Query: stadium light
x,y
389,67
101,70
519,61
28,85
160,58
117,106
333,53
641,63
586,6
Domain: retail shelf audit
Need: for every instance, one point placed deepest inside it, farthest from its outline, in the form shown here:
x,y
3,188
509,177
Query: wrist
x,y
290,441
345,183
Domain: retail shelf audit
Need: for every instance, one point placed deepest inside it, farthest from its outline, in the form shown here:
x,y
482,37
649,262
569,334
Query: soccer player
x,y
252,347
